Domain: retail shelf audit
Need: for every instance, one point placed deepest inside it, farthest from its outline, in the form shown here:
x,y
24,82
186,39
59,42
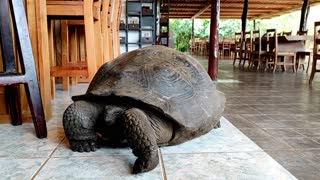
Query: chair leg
x,y
294,64
234,59
313,71
275,63
309,59
35,104
14,105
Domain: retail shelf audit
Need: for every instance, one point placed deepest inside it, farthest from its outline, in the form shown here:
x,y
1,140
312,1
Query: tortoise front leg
x,y
142,139
79,120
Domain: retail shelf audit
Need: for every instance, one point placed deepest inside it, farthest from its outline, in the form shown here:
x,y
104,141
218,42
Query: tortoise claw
x,y
83,145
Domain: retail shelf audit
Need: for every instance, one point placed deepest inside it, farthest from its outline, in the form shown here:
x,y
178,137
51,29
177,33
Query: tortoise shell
x,y
171,82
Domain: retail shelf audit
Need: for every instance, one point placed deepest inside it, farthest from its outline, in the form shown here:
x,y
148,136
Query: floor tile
x,y
225,139
19,168
309,132
272,144
304,172
103,167
301,143
245,165
255,133
268,123
21,141
283,132
289,157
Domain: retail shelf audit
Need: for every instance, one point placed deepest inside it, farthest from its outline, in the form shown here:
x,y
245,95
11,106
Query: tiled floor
x,y
280,112
276,111
224,153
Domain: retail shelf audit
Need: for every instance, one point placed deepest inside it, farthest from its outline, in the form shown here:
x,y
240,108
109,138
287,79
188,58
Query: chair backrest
x,y
256,41
272,40
316,41
248,40
237,40
286,33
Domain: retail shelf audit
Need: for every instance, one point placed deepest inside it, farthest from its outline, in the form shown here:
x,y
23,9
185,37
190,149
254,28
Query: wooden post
x,y
254,24
244,24
304,15
214,40
192,29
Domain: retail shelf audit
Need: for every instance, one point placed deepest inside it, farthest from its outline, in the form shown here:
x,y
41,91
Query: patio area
x,y
279,112
270,130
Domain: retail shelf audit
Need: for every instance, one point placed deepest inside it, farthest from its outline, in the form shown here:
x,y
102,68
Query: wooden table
x,y
293,43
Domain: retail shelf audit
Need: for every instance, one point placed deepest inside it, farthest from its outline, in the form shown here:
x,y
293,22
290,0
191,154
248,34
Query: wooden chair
x,y
192,46
316,50
274,57
302,55
237,47
86,12
226,47
257,52
11,78
203,47
247,47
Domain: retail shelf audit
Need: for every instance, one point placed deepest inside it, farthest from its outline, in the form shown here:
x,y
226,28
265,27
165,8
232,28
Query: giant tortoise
x,y
145,98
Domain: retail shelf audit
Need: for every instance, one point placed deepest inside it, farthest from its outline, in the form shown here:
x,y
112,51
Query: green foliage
x,y
203,29
182,33
227,27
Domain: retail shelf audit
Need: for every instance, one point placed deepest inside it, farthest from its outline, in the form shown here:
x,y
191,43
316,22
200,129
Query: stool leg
x,y
28,66
36,108
13,103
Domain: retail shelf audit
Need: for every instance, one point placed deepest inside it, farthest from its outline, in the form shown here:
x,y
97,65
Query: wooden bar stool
x,y
316,50
10,78
83,12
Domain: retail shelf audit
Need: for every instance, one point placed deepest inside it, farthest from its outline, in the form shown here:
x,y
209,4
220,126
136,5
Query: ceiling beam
x,y
201,11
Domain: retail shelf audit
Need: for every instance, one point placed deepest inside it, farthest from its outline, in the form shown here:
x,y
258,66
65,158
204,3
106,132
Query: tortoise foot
x,y
146,163
83,145
142,139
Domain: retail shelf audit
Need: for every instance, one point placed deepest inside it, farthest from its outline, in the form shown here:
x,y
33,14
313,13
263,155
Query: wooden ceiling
x,y
231,9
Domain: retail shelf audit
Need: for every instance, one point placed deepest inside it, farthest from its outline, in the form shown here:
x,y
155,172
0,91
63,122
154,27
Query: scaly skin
x,y
142,140
79,120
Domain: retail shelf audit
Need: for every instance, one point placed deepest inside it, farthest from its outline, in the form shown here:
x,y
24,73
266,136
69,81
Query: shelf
x,y
134,15
141,13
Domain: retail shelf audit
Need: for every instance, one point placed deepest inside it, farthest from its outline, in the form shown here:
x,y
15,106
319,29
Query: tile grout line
x,y
163,170
45,162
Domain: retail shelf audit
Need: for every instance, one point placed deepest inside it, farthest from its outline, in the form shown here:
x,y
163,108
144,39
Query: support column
x,y
192,29
243,25
214,40
304,15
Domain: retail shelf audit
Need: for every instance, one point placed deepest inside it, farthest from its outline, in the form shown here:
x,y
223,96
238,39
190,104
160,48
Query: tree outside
x,y
227,27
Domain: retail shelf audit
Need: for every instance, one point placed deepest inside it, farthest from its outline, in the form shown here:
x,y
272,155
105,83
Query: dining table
x,y
292,43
